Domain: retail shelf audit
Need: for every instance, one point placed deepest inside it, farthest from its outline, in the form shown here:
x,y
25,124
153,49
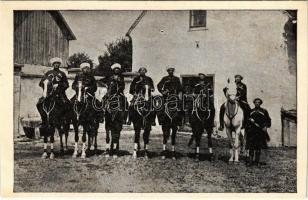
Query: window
x,y
197,19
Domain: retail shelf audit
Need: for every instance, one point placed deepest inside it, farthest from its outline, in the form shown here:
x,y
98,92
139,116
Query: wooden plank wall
x,y
37,38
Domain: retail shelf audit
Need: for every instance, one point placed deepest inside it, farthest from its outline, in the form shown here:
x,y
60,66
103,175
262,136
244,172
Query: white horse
x,y
233,120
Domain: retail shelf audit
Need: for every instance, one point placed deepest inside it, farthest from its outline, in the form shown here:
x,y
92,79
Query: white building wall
x,y
245,42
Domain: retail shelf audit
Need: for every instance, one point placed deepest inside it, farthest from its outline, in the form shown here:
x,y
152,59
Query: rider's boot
x,y
221,117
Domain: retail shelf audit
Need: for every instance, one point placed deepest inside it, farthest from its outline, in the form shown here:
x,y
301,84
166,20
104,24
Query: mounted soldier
x,y
202,114
115,109
257,136
170,116
140,110
241,97
85,110
59,81
87,79
53,105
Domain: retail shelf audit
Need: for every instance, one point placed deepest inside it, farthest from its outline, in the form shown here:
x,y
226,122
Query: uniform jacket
x,y
172,84
88,81
261,118
138,84
114,84
57,77
241,92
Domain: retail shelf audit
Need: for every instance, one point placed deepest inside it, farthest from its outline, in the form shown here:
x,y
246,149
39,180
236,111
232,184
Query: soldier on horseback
x,y
202,113
170,118
114,115
85,114
140,108
241,98
59,82
87,79
53,105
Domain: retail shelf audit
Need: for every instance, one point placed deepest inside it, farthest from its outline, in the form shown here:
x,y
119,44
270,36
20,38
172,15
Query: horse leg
x,y
166,135
198,140
76,140
136,140
95,140
173,136
44,155
66,129
209,132
107,152
229,134
236,145
146,138
84,138
52,140
61,140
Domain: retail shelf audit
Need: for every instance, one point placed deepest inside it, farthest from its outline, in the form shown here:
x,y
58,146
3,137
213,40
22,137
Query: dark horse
x,y
142,114
54,116
115,110
170,115
87,112
202,113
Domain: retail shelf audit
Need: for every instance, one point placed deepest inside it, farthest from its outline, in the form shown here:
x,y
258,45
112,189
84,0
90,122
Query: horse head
x,y
48,87
81,92
231,91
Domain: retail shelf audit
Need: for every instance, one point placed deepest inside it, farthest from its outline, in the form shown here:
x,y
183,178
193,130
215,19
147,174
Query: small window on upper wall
x,y
197,19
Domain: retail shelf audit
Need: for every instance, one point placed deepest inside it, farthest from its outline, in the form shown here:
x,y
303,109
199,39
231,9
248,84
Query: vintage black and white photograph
x,y
155,101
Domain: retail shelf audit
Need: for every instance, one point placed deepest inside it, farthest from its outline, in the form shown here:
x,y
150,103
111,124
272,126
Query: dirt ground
x,y
99,174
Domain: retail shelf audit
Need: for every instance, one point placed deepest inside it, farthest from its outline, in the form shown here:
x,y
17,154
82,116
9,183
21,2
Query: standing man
x,y
141,85
114,116
257,136
241,98
59,83
170,87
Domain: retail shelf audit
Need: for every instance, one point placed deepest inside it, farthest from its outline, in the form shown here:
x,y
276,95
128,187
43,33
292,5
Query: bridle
x,y
52,105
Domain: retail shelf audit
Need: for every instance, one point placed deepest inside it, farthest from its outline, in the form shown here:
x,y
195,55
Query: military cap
x,y
170,68
143,68
116,65
258,99
85,64
238,75
55,60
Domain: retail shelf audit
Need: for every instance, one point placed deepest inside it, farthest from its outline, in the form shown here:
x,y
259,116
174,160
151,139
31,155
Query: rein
x,y
48,111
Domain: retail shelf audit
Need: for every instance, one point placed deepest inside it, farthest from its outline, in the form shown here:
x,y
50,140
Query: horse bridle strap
x,y
48,111
228,113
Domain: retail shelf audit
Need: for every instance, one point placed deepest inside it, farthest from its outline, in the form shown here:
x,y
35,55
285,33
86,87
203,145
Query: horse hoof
x,y
83,155
173,158
163,157
44,155
115,156
92,148
236,162
230,161
134,155
52,155
107,156
74,154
